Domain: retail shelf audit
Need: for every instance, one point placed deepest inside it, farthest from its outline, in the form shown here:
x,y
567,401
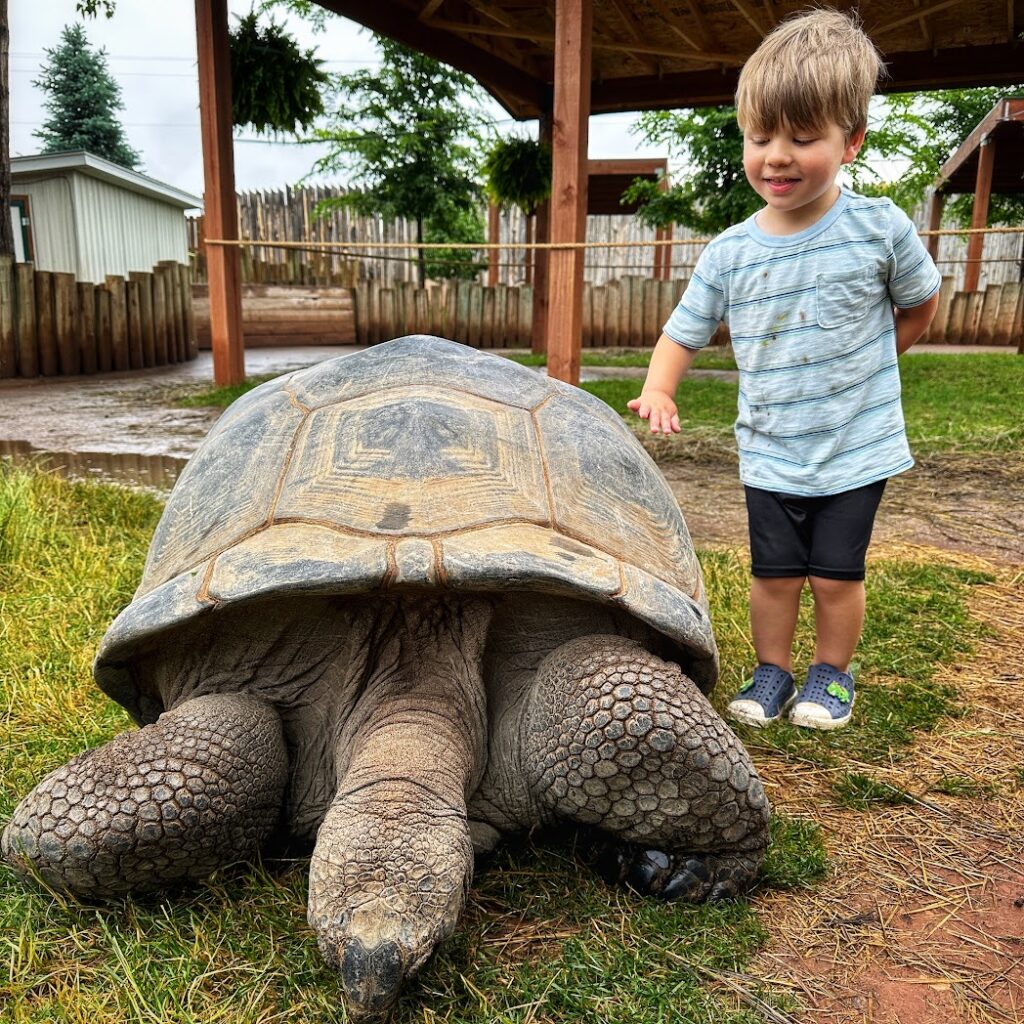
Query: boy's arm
x,y
911,322
669,363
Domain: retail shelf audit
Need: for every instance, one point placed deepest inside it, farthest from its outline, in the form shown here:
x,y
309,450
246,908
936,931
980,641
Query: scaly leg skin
x,y
618,739
199,788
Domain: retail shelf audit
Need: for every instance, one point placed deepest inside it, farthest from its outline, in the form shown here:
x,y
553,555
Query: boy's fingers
x,y
676,428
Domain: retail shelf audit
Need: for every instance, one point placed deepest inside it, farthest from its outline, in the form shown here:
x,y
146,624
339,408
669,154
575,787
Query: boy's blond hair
x,y
813,69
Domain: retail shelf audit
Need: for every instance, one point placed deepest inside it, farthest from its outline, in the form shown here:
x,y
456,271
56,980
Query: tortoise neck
x,y
421,717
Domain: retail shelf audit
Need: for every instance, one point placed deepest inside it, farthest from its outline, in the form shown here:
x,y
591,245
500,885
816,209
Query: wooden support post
x,y
86,328
49,360
220,212
935,204
979,217
493,236
65,316
537,260
25,326
573,20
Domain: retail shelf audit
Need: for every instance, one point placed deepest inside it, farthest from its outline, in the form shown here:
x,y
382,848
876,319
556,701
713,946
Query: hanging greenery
x,y
275,84
518,171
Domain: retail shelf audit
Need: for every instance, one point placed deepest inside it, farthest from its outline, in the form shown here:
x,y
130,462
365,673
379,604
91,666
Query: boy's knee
x,y
826,588
779,585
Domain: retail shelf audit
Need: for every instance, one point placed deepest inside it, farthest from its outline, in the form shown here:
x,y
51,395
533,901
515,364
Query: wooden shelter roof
x,y
1002,127
667,53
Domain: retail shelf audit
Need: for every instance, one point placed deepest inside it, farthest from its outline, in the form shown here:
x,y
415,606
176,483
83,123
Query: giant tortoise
x,y
399,604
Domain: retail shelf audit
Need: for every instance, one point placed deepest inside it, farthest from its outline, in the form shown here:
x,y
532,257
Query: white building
x,y
79,213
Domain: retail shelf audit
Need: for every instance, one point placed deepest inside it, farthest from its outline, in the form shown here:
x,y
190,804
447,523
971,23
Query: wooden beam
x,y
979,216
1003,110
493,236
626,166
923,12
935,204
573,24
539,257
396,22
748,12
219,204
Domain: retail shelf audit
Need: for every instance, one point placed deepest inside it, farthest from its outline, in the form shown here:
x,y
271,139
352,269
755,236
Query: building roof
x,y
1002,127
23,167
651,54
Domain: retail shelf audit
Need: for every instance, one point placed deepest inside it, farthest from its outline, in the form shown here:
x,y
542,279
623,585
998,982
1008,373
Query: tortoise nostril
x,y
372,977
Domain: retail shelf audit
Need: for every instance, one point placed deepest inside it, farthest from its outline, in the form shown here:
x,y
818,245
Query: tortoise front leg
x,y
611,736
199,788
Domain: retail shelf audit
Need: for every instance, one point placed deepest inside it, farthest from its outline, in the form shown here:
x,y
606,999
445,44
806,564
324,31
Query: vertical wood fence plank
x,y
133,308
8,341
104,339
989,308
957,312
461,321
625,293
487,326
163,354
939,330
387,312
669,300
510,318
528,320
25,327
1005,314
86,327
587,316
476,305
652,307
972,317
421,311
118,321
145,288
188,313
612,301
49,359
65,314
175,331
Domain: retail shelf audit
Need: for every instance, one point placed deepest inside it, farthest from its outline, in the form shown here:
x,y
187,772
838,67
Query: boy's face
x,y
794,170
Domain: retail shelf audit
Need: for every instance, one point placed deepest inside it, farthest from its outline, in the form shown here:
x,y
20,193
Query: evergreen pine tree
x,y
82,97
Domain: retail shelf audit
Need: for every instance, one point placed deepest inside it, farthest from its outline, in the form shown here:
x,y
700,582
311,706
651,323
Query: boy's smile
x,y
794,172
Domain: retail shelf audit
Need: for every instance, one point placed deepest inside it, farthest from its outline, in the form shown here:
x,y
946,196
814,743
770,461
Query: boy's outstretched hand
x,y
659,409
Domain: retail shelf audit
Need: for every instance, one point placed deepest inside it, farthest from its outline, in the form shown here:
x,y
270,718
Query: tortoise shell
x,y
419,463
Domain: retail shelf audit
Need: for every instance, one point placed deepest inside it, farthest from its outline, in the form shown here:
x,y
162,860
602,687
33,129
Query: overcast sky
x,y
151,51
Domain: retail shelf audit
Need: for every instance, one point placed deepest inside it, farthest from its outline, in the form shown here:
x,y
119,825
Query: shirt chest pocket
x,y
846,296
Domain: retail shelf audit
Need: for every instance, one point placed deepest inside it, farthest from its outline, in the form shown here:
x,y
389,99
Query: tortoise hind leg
x,y
616,738
199,788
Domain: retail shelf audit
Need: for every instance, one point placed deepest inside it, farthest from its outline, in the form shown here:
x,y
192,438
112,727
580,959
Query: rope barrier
x,y
313,244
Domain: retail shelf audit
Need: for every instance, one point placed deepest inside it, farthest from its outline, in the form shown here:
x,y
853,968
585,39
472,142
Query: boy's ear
x,y
853,144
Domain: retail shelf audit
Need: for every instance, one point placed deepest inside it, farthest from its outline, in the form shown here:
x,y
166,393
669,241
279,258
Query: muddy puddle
x,y
151,472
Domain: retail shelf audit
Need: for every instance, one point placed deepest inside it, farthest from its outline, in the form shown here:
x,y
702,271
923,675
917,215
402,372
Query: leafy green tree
x,y
407,136
921,130
716,193
924,129
82,98
459,224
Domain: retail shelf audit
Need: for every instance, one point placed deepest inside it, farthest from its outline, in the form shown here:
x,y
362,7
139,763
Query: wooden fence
x,y
51,324
628,313
285,315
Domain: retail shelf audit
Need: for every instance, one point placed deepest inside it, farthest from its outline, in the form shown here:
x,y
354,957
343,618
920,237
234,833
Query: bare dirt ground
x,y
921,919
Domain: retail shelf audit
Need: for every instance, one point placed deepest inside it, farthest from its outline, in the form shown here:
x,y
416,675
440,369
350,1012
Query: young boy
x,y
822,290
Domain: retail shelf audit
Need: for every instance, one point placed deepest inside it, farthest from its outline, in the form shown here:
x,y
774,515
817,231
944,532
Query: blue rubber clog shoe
x,y
825,701
765,697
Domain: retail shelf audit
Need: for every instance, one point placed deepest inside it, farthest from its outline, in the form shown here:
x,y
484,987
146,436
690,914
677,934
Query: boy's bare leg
x,y
774,607
838,619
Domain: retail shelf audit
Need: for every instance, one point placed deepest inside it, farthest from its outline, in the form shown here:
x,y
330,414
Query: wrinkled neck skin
x,y
393,859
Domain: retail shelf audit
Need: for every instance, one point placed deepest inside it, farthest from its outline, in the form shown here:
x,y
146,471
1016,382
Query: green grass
x,y
707,359
543,938
917,620
540,931
221,398
859,792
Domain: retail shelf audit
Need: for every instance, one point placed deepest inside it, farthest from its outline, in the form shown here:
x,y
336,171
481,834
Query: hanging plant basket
x,y
518,172
276,86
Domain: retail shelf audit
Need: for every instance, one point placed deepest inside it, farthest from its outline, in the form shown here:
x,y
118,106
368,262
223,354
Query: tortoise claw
x,y
690,877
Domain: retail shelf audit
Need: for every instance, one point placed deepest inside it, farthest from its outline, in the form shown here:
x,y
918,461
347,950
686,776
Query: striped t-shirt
x,y
813,331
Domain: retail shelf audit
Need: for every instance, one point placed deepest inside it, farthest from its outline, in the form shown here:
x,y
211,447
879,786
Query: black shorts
x,y
795,536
